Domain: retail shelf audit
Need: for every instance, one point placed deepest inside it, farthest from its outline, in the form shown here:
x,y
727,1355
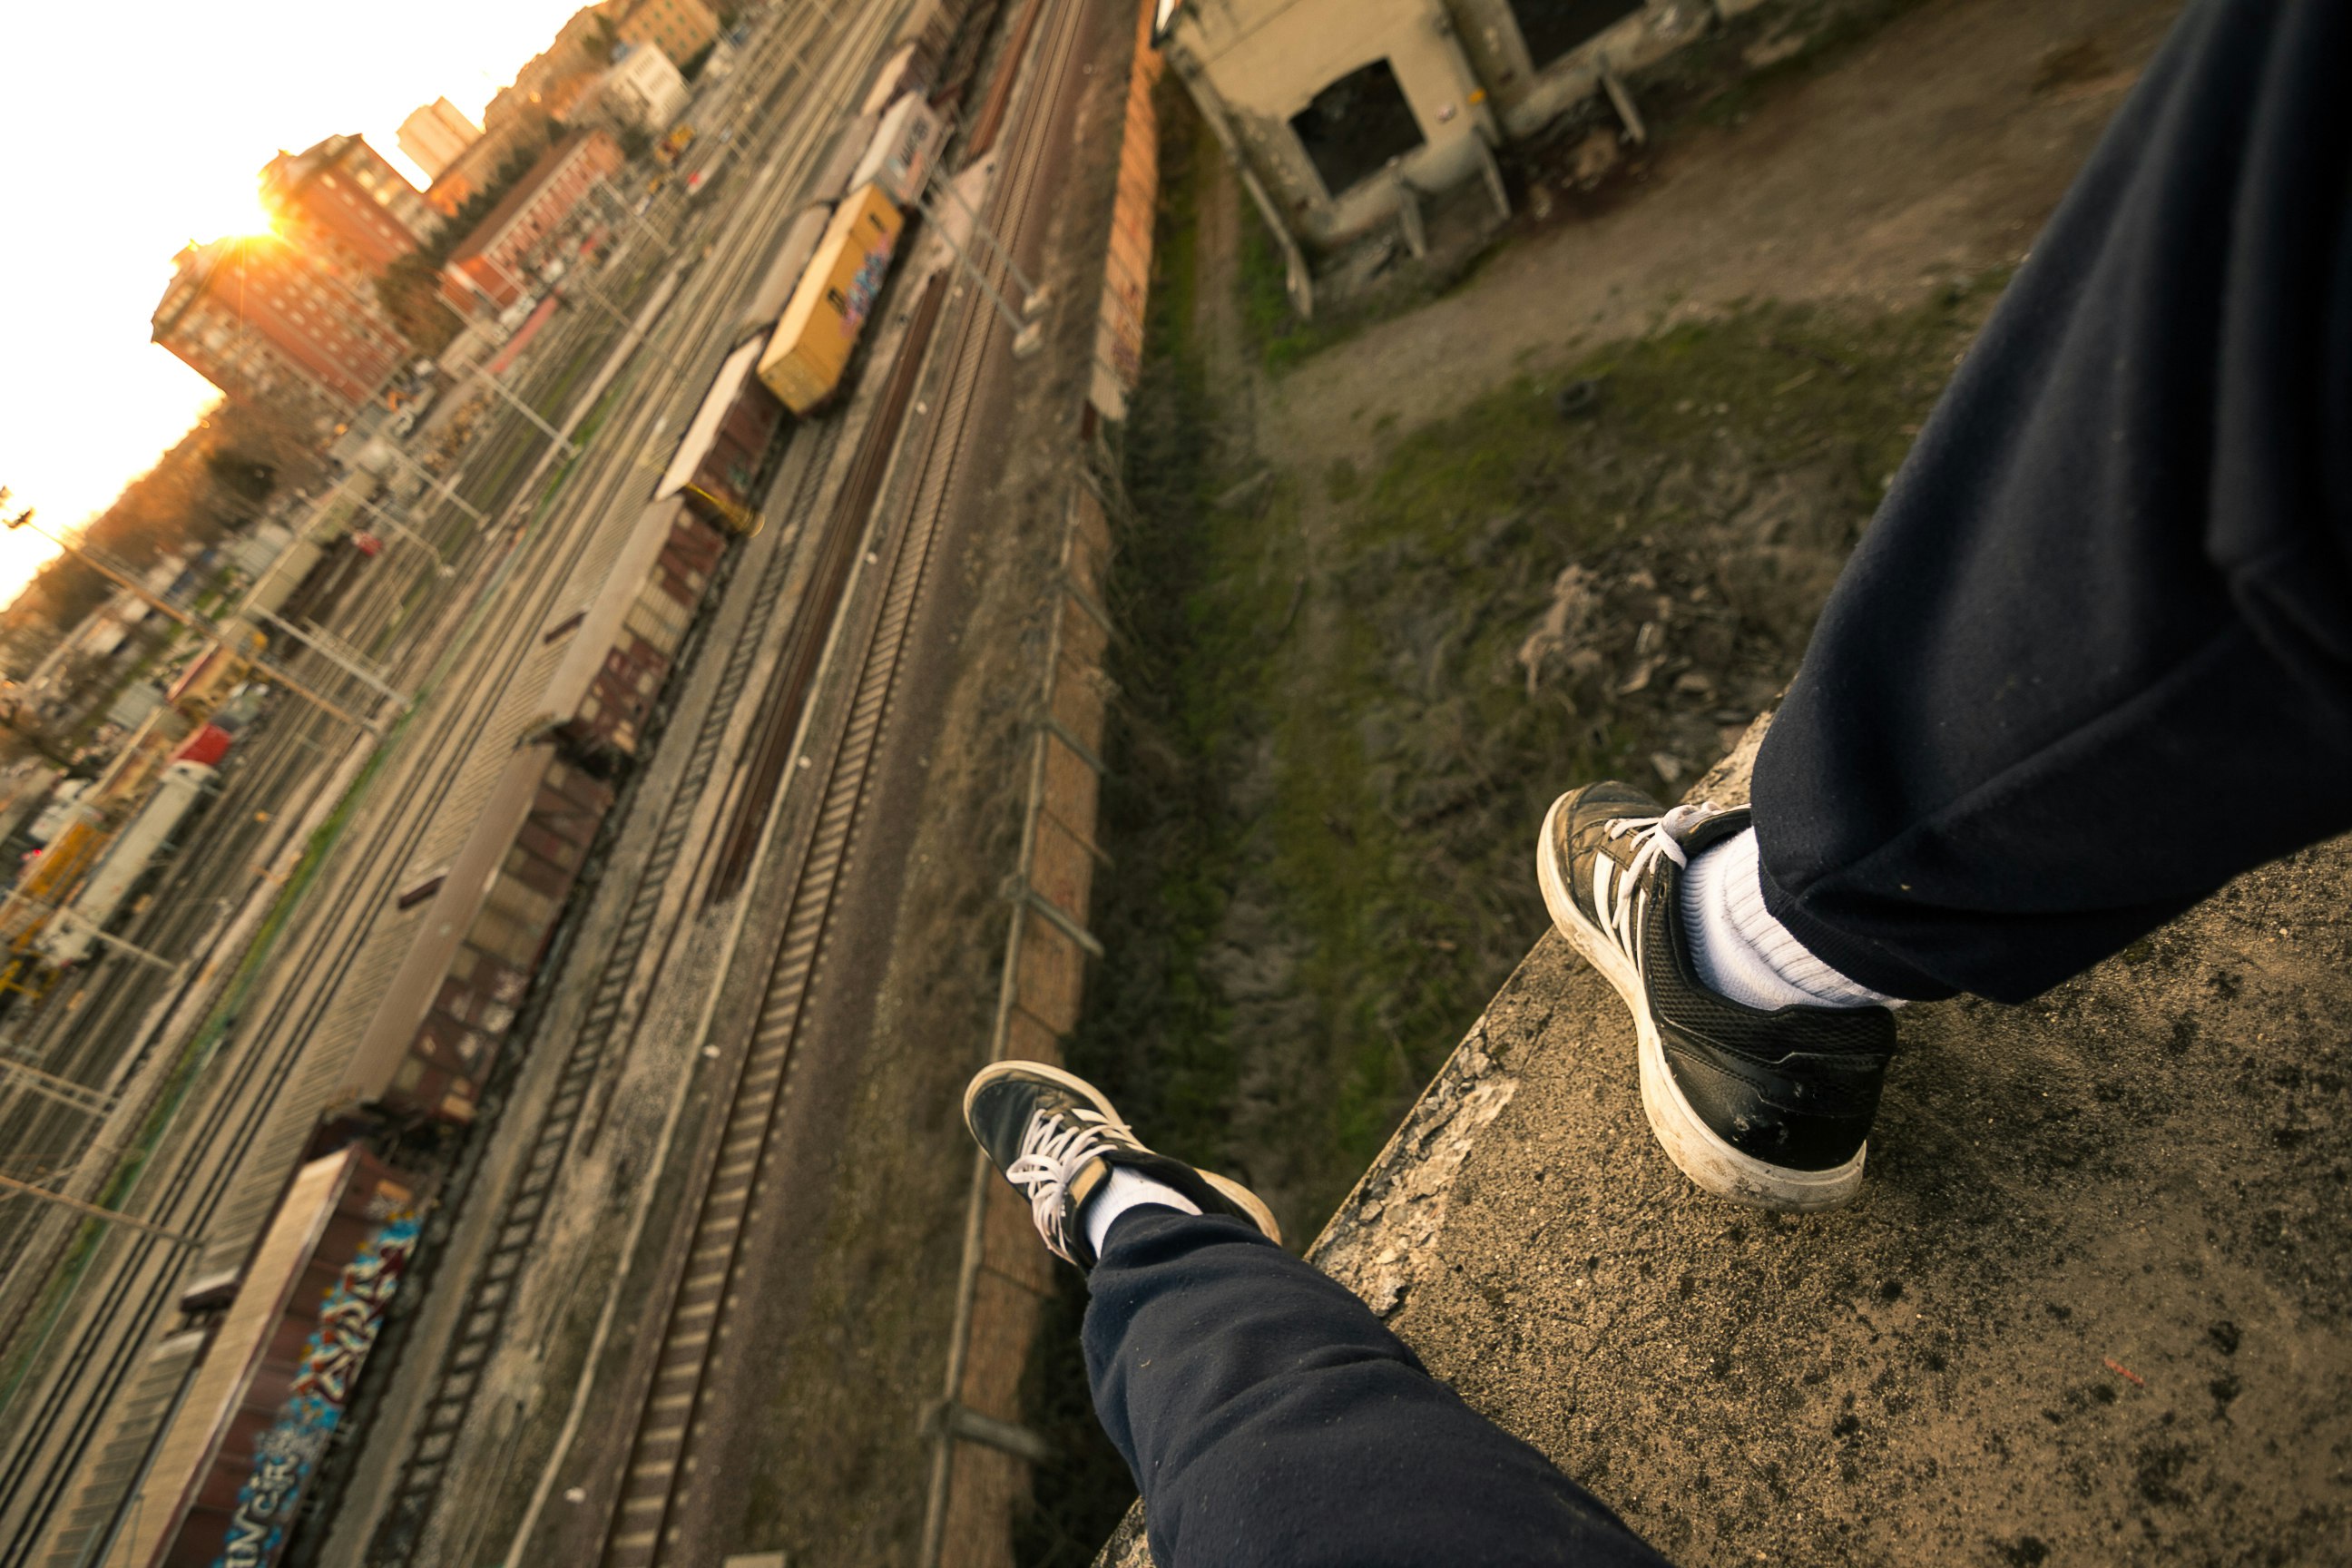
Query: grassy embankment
x,y
1346,698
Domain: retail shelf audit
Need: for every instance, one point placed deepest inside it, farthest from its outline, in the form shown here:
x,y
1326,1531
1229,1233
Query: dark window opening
x,y
1552,28
1356,125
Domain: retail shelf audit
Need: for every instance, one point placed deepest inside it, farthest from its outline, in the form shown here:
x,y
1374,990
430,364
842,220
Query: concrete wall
x,y
1262,63
1463,65
1526,99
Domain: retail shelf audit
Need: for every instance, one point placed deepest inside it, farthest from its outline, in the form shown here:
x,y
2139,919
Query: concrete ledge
x,y
2089,1309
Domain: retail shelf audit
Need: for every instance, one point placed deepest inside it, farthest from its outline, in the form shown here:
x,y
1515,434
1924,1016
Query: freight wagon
x,y
206,683
435,1037
906,143
774,291
135,852
809,355
927,32
490,913
723,455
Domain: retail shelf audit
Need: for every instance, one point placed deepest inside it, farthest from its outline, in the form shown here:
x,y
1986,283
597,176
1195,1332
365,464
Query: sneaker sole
x,y
1242,1197
1016,1067
1248,1202
1697,1149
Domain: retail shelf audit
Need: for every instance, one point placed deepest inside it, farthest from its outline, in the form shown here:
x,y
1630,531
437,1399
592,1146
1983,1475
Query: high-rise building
x,y
265,322
680,28
433,136
340,201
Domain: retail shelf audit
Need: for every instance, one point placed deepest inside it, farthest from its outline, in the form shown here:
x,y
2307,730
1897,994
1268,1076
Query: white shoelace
x,y
1615,893
1053,1150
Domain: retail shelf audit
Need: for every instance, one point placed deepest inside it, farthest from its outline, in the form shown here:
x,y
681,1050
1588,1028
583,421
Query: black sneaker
x,y
1771,1109
1051,1134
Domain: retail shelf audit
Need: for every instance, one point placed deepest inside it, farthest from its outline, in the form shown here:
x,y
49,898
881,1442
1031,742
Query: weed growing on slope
x,y
1347,701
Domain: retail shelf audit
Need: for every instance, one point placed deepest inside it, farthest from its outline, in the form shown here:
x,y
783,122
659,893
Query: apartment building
x,y
495,265
262,321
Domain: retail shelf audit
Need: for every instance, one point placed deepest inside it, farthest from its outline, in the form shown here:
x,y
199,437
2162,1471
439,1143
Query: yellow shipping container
x,y
818,331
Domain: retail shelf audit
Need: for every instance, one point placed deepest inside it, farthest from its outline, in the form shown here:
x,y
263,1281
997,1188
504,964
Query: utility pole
x,y
64,1091
340,653
1027,335
73,921
202,628
177,1237
1034,296
448,494
630,213
596,298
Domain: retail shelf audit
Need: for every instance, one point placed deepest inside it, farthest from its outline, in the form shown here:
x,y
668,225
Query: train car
x,y
806,359
774,291
902,72
906,144
286,575
927,32
723,454
63,806
628,641
270,1382
437,1037
322,589
207,747
74,934
206,683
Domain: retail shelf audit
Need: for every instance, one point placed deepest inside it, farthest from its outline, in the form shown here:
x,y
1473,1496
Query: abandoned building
x,y
1343,114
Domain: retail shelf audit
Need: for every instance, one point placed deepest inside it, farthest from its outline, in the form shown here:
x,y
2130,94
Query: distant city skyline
x,y
127,154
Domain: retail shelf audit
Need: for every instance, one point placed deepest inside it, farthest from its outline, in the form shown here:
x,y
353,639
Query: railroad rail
x,y
693,1301
573,1115
33,1241
658,1449
107,1343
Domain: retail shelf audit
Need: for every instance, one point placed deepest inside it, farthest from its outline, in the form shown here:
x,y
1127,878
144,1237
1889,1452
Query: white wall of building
x,y
644,89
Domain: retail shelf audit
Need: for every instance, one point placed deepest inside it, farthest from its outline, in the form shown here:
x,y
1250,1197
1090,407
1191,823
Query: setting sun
x,y
93,402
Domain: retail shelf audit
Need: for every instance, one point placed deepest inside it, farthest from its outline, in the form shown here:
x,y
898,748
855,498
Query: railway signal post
x,y
195,623
1028,335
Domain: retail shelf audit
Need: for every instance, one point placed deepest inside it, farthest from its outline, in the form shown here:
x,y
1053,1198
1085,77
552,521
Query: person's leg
x,y
2093,656
1267,1415
1270,1419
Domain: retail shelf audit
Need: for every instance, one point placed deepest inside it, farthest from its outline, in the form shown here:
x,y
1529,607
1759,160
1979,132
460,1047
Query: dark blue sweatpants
x,y
2093,656
1270,1419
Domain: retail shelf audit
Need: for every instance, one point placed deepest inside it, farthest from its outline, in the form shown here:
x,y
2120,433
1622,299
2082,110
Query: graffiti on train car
x,y
285,1456
862,289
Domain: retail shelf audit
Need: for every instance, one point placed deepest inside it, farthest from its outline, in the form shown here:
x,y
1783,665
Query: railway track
x,y
85,1045
100,1045
52,1430
694,1300
99,1048
575,1113
107,1342
731,1167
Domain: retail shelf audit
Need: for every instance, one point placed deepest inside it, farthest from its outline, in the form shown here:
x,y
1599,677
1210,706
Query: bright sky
x,y
136,127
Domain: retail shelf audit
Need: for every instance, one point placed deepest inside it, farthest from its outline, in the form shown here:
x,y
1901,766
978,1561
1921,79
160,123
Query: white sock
x,y
1742,952
1129,1189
